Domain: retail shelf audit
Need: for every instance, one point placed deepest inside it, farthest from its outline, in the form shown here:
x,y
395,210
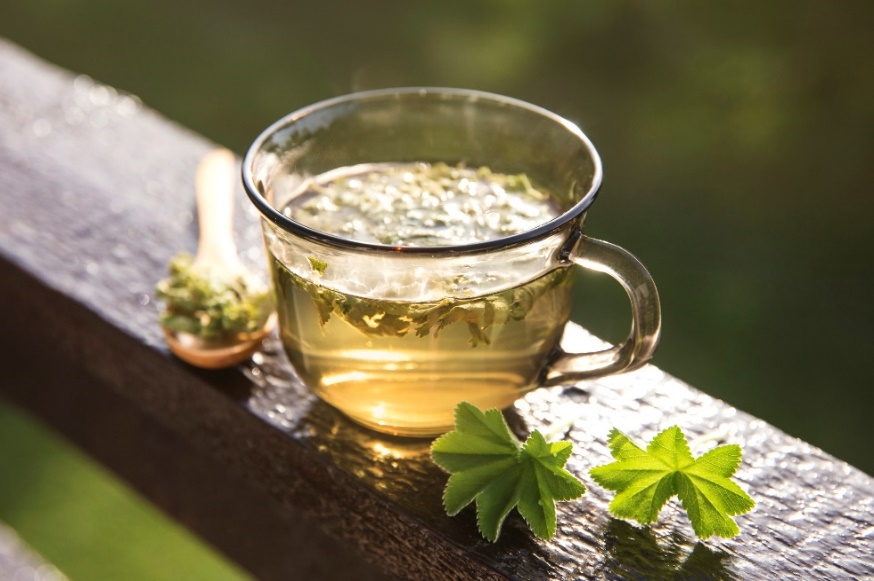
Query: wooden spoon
x,y
216,253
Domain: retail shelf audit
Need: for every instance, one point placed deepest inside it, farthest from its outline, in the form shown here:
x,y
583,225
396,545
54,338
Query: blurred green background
x,y
737,139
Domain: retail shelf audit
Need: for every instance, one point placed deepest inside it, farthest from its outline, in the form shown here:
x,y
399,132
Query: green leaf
x,y
317,265
488,465
386,318
644,480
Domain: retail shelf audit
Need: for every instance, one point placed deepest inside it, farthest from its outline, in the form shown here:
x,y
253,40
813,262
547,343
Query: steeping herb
x,y
212,308
421,204
317,265
385,318
415,205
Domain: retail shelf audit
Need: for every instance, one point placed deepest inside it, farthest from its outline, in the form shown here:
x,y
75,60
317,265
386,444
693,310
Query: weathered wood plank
x,y
235,515
96,196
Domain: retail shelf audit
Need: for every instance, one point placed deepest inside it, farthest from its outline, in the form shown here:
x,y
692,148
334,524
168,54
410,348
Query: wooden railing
x,y
96,196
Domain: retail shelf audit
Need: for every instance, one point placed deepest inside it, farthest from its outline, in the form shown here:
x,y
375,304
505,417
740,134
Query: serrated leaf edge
x,y
520,446
613,442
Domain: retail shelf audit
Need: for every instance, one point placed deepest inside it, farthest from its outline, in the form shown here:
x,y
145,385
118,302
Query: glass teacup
x,y
396,320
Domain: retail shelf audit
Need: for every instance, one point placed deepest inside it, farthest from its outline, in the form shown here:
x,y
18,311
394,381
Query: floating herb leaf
x,y
385,318
317,265
421,204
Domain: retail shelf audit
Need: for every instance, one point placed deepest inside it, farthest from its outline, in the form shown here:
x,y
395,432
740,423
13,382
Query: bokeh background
x,y
737,138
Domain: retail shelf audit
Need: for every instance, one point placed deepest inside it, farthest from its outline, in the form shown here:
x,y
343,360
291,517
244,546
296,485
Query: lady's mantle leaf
x,y
644,480
490,466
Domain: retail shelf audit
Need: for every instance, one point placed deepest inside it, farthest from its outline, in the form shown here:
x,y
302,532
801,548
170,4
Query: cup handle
x,y
646,320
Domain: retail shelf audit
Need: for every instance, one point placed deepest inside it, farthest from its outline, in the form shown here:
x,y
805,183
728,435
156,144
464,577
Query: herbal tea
x,y
407,364
404,288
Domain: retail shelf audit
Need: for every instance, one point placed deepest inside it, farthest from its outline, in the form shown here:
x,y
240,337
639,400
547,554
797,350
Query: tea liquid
x,y
401,367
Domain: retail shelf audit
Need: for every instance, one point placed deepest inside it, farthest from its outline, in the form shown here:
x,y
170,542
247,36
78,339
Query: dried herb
x,y
211,307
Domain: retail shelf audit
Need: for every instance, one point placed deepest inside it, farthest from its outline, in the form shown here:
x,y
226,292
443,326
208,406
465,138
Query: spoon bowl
x,y
216,354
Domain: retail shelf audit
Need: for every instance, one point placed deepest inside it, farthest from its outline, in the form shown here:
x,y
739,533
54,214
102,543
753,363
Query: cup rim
x,y
548,228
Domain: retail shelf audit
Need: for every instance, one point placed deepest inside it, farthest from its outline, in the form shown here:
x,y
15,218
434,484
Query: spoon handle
x,y
214,193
